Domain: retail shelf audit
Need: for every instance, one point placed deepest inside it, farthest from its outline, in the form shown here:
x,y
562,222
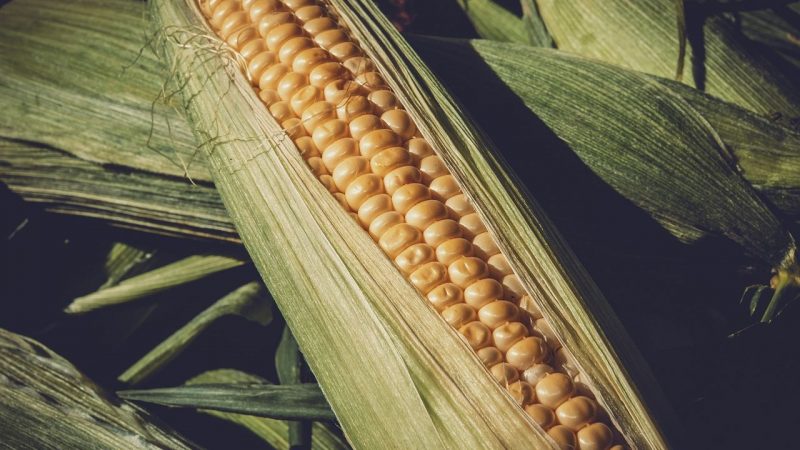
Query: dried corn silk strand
x,y
364,147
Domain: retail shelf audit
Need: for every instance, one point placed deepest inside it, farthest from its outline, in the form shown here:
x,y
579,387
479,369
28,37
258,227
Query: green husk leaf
x,y
647,141
46,403
537,31
492,21
289,365
641,35
343,298
171,275
273,431
94,93
292,402
65,184
249,301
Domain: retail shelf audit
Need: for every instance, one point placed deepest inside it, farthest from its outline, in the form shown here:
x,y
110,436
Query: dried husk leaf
x,y
774,31
133,199
93,89
125,260
46,403
438,387
642,35
534,25
289,365
495,22
273,431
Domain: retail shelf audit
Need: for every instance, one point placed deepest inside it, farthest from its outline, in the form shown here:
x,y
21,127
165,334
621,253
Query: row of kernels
x,y
467,271
382,164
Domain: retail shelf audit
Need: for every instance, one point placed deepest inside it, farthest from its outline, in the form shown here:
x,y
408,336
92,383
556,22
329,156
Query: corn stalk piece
x,y
46,403
347,305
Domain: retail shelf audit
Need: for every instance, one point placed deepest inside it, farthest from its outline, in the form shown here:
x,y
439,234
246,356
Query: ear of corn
x,y
443,375
375,361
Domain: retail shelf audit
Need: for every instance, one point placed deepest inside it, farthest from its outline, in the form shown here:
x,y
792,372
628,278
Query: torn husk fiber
x,y
375,344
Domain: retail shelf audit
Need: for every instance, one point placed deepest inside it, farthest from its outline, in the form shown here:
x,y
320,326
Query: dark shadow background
x,y
678,302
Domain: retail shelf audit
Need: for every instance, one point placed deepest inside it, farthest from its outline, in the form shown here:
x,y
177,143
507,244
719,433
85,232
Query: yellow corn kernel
x,y
596,436
542,415
564,437
576,412
554,389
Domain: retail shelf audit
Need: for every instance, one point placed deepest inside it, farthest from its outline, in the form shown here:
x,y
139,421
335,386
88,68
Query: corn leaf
x,y
642,35
274,432
492,21
248,301
648,142
157,280
534,25
133,199
292,402
45,402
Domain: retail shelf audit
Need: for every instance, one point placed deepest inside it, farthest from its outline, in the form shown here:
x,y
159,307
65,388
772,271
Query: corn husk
x,y
660,144
46,403
132,199
643,35
114,102
495,22
307,248
274,432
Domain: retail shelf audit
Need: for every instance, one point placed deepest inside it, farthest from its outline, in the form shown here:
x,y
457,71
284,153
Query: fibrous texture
x,y
364,147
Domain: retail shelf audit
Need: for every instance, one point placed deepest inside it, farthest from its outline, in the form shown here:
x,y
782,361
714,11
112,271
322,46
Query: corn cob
x,y
366,150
